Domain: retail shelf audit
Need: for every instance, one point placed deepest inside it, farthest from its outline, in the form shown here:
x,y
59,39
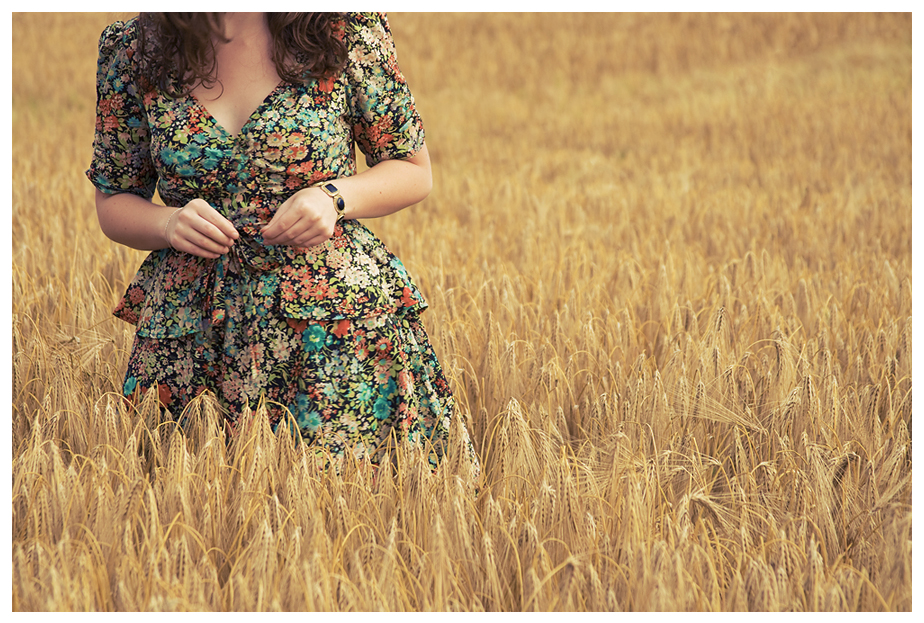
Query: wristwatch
x,y
331,191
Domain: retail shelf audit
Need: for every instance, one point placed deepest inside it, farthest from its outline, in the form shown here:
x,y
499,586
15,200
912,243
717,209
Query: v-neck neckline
x,y
202,108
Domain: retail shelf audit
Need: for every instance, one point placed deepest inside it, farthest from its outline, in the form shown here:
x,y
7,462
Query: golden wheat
x,y
669,265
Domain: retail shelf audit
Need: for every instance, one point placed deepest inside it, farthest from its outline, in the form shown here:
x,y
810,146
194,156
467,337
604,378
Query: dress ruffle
x,y
329,335
353,275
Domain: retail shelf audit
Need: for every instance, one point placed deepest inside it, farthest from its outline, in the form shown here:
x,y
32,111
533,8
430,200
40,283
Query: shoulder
x,y
367,29
366,20
119,36
118,44
118,63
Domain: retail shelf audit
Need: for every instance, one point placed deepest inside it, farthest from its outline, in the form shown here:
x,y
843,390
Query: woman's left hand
x,y
305,219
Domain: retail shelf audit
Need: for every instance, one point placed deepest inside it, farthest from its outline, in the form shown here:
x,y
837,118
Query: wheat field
x,y
668,260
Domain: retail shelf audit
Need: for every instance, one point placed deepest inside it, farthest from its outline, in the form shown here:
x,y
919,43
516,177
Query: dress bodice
x,y
299,135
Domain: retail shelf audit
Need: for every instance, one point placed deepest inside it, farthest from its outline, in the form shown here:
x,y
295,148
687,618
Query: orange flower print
x,y
295,152
275,139
164,394
343,327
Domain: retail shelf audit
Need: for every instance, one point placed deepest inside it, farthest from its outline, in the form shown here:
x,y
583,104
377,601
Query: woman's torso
x,y
297,136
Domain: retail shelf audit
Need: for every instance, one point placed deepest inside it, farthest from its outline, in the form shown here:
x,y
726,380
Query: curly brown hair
x,y
177,50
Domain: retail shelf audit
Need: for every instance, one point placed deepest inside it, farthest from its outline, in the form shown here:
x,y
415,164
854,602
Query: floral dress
x,y
328,336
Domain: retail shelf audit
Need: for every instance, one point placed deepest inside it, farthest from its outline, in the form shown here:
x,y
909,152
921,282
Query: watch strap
x,y
334,193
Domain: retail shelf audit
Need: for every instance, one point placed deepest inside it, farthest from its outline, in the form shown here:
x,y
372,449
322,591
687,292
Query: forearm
x,y
196,228
305,219
133,221
387,187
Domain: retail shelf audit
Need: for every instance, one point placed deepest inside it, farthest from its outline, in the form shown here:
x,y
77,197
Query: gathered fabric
x,y
330,335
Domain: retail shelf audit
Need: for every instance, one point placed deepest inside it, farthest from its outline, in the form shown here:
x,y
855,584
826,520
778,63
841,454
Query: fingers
x,y
306,219
305,232
310,239
279,224
219,228
210,223
297,231
199,229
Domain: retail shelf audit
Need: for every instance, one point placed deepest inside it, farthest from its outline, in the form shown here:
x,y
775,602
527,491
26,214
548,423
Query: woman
x,y
261,282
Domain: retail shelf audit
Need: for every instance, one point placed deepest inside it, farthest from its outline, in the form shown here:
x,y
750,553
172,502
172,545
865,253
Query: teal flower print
x,y
390,388
381,408
305,416
267,285
364,392
212,157
313,421
314,338
170,156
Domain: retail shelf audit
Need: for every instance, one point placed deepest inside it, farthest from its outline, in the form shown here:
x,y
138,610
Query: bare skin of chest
x,y
246,75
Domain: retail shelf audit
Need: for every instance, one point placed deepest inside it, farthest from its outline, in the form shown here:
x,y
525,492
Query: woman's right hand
x,y
197,228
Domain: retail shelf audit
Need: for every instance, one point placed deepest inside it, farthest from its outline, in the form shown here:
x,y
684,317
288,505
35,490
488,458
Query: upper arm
x,y
422,160
107,211
121,144
386,124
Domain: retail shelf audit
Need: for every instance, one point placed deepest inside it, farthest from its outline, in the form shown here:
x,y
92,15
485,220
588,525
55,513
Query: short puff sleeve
x,y
386,124
121,147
